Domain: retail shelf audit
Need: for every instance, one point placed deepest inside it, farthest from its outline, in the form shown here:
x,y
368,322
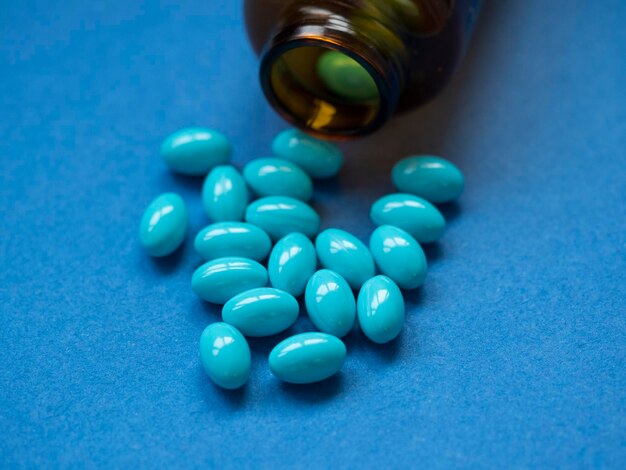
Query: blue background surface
x,y
513,352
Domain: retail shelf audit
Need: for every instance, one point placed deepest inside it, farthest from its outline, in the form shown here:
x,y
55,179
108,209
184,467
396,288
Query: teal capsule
x,y
264,311
330,303
380,309
345,77
292,262
278,177
320,159
345,254
307,358
164,225
224,194
221,279
232,239
195,150
225,355
398,256
281,215
411,213
432,178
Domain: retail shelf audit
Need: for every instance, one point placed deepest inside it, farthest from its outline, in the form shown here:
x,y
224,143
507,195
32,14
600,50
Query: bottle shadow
x,y
429,129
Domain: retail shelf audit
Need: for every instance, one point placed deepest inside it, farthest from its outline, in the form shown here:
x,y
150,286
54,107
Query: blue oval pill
x,y
292,262
224,194
278,177
345,254
164,225
195,150
330,303
225,355
221,279
263,311
281,215
380,309
307,358
411,213
398,256
232,239
320,159
433,178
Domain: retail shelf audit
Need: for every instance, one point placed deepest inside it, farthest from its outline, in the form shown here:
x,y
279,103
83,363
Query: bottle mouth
x,y
327,89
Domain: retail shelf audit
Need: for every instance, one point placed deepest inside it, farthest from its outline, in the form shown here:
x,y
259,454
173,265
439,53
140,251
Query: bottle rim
x,y
379,68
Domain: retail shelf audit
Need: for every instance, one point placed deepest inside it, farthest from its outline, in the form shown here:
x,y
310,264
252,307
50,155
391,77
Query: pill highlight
x,y
380,309
281,215
263,311
195,150
433,178
163,226
278,177
219,280
330,303
307,358
291,263
345,254
398,256
232,239
411,213
225,355
224,194
320,159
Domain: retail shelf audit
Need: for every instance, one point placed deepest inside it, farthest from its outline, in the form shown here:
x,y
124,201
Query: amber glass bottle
x,y
342,68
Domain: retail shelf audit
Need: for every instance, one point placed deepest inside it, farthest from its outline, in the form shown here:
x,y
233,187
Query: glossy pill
x,y
219,280
330,303
225,355
164,225
346,77
411,213
224,194
307,358
345,254
292,262
278,177
232,239
432,178
263,311
320,159
195,150
380,309
280,216
398,256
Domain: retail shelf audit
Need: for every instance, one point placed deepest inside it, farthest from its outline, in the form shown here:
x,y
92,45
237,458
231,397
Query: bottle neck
x,y
332,69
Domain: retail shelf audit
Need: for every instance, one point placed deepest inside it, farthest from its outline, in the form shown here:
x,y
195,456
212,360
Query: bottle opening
x,y
325,90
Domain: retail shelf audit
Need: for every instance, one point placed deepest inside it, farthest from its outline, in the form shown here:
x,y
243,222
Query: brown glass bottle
x,y
410,48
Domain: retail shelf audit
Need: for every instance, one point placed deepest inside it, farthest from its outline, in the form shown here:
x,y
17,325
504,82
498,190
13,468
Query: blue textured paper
x,y
514,350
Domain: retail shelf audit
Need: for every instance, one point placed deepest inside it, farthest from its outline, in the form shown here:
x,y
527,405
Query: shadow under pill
x,y
187,181
413,297
318,392
450,210
167,264
209,308
432,251
327,188
234,398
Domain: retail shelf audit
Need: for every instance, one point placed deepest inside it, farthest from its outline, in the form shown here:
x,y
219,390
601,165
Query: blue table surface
x,y
513,352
